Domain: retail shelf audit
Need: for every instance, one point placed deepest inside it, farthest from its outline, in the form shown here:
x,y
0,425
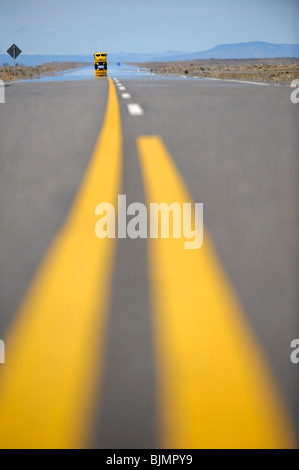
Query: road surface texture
x,y
140,343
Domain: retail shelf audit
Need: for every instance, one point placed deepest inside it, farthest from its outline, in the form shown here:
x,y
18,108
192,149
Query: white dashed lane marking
x,y
135,109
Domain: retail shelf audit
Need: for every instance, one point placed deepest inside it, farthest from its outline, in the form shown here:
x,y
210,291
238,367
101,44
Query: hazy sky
x,y
82,26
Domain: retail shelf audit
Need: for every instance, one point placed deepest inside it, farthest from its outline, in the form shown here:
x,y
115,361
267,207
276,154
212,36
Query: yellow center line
x,y
54,351
214,386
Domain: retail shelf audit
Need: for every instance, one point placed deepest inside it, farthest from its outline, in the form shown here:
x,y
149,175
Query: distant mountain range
x,y
244,50
247,50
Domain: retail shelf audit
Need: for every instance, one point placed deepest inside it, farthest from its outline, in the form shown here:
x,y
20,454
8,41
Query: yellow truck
x,y
100,60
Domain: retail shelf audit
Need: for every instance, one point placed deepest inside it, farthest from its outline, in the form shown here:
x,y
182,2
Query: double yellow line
x,y
214,387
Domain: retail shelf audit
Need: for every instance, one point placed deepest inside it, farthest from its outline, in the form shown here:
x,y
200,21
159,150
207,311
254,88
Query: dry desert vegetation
x,y
29,72
263,70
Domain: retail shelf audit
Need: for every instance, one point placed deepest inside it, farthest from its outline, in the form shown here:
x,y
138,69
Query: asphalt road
x,y
235,146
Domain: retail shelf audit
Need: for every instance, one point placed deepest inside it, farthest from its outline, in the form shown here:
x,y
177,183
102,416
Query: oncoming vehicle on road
x,y
100,60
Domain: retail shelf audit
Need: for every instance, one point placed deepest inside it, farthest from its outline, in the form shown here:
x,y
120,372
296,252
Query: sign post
x,y
14,51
